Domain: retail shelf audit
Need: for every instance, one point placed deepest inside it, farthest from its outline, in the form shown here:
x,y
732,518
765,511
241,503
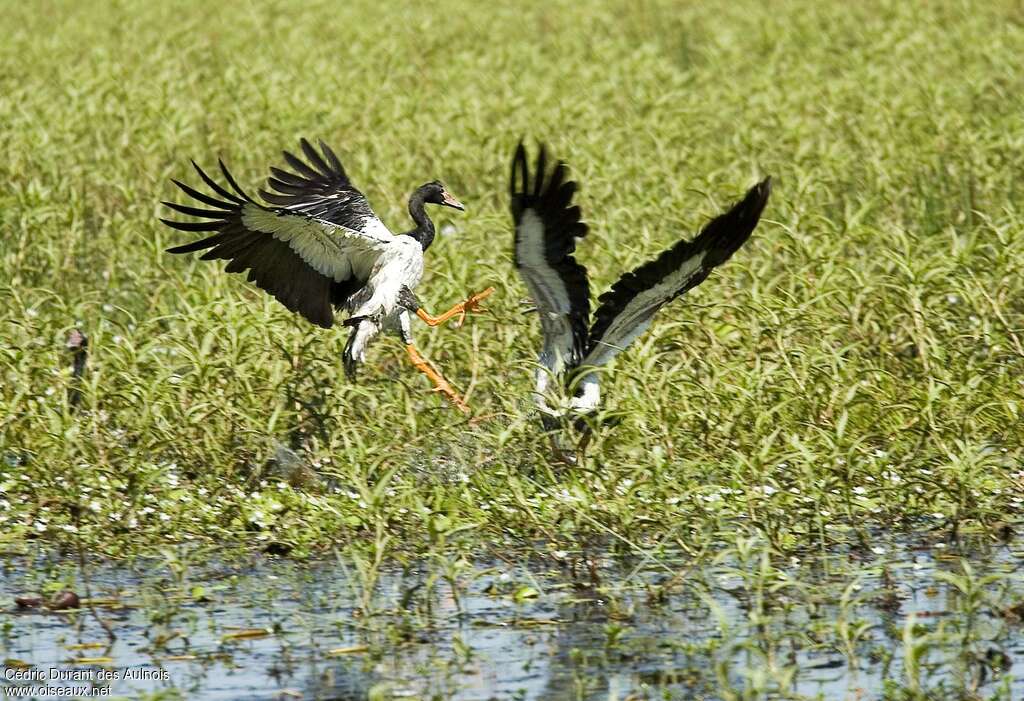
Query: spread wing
x,y
546,228
320,188
626,310
306,261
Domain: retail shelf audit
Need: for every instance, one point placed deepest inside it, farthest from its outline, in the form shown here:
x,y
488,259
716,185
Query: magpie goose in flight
x,y
547,227
316,246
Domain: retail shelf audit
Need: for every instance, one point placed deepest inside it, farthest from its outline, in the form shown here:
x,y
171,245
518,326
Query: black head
x,y
432,193
435,193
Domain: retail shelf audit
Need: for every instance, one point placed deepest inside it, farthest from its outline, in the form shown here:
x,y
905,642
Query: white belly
x,y
402,266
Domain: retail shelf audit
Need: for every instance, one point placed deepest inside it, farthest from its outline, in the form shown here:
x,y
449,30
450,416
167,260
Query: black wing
x,y
305,262
321,189
627,309
547,225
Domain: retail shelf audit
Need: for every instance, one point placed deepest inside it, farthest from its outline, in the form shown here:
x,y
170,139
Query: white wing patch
x,y
374,228
545,285
334,251
636,317
548,291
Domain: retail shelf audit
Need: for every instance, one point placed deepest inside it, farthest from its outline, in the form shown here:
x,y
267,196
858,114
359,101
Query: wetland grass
x,y
855,373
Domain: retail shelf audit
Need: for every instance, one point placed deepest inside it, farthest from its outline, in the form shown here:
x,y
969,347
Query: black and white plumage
x,y
316,245
547,226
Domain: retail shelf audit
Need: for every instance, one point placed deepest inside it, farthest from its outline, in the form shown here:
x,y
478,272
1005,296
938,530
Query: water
x,y
775,630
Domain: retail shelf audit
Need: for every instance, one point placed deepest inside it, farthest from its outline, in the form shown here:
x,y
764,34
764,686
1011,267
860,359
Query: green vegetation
x,y
854,374
860,362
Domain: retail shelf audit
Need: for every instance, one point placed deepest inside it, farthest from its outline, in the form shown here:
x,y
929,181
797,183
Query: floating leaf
x,y
65,600
92,660
525,592
350,650
247,633
533,622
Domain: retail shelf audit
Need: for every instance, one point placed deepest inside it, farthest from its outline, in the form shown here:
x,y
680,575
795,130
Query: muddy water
x,y
278,630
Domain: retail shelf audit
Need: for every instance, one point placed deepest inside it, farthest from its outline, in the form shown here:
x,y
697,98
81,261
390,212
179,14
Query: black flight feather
x,y
272,264
718,240
549,196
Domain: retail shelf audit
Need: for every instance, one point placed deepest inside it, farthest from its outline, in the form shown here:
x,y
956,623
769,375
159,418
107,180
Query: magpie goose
x,y
547,227
317,246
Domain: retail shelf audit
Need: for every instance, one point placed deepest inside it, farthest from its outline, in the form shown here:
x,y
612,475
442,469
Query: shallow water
x,y
774,630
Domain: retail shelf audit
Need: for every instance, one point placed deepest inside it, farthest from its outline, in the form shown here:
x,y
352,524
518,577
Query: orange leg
x,y
460,309
440,383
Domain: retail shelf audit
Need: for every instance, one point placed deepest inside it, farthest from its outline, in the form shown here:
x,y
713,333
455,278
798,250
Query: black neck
x,y
424,231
